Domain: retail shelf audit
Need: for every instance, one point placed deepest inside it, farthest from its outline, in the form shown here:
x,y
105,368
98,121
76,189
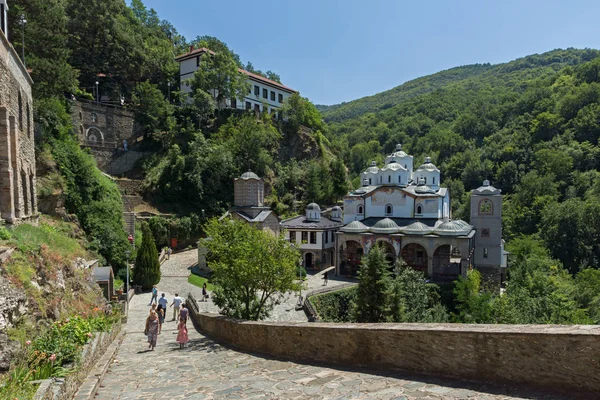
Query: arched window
x,y
419,209
389,179
389,210
359,209
486,207
369,181
399,178
433,182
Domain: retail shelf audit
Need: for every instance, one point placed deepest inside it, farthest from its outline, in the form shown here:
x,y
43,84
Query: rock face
x,y
13,304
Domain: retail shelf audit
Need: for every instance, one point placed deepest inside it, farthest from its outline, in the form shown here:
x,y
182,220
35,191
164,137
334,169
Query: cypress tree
x,y
147,266
373,287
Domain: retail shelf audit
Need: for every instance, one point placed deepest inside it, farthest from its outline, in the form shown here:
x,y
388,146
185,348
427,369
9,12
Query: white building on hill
x,y
265,94
408,213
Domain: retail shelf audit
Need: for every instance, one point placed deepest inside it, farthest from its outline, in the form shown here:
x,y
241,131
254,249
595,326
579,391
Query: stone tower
x,y
248,191
486,218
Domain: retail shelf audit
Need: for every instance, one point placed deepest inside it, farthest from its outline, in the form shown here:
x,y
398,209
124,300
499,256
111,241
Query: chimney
x,y
191,48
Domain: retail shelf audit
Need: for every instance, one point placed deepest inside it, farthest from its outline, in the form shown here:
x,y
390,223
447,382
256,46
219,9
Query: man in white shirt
x,y
176,304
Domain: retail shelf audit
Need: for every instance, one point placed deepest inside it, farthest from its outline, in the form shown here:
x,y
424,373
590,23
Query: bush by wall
x,y
335,306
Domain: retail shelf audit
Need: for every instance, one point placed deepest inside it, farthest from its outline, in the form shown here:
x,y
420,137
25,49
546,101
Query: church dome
x,y
398,153
463,224
355,227
487,189
427,166
424,189
373,168
452,228
313,207
393,166
249,175
416,228
386,226
336,208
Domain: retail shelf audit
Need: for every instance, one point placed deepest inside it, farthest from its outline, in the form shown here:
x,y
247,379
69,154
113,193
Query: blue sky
x,y
334,50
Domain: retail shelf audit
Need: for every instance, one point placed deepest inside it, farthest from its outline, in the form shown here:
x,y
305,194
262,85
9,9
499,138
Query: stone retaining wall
x,y
555,357
65,389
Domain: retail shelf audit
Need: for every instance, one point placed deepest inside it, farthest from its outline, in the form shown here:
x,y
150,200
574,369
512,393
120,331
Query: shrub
x,y
147,266
335,306
301,273
4,233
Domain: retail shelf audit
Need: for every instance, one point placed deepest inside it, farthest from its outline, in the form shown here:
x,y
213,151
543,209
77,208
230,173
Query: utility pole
x,y
23,21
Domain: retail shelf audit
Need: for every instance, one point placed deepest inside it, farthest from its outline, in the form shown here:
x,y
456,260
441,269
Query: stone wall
x,y
64,389
564,358
103,125
18,199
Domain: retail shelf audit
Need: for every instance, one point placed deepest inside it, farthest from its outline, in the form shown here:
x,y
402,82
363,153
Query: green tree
x,y
153,111
314,189
300,111
47,51
339,178
218,75
373,287
252,269
472,303
147,266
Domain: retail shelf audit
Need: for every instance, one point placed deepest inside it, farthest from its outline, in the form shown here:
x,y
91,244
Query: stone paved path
x,y
208,370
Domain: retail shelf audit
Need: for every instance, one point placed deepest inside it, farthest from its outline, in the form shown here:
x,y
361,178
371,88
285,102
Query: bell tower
x,y
486,218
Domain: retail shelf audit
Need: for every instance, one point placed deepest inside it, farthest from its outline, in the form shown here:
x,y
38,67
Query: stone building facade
x,y
102,125
248,203
18,198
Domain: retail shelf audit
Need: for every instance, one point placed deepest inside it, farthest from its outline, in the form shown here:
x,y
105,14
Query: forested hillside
x,y
126,55
531,126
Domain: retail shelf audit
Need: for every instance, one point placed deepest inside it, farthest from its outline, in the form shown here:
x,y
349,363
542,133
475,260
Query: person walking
x,y
152,329
325,278
176,304
154,295
163,302
160,311
204,292
184,313
168,253
182,333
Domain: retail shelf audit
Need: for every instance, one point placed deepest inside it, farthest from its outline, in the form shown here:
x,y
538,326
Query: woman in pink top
x,y
182,334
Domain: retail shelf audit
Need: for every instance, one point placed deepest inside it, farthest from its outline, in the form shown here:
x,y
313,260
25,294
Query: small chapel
x,y
407,212
249,203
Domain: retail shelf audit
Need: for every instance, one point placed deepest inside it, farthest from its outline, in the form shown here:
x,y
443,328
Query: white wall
x,y
189,66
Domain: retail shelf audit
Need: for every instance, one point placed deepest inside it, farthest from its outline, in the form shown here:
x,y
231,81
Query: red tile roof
x,y
250,75
266,80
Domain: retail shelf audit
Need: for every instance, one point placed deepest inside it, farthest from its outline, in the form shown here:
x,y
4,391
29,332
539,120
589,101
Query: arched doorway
x,y
350,256
390,252
415,256
94,135
446,262
309,261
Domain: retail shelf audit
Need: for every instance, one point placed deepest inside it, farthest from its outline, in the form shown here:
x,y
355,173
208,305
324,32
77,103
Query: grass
x,y
199,281
31,238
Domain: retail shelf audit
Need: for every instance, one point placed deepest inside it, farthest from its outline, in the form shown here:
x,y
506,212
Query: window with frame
x,y
486,207
265,93
325,237
234,103
359,210
292,236
399,178
313,238
198,61
256,90
332,236
304,237
389,210
485,252
280,98
485,233
419,209
248,105
433,180
257,108
272,95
